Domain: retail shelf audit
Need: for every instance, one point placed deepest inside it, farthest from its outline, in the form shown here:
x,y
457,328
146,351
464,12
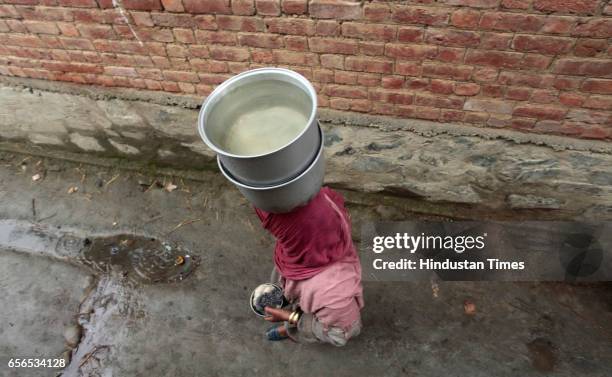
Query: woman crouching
x,y
317,265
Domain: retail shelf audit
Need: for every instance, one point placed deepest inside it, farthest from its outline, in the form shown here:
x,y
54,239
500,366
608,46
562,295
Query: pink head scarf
x,y
311,237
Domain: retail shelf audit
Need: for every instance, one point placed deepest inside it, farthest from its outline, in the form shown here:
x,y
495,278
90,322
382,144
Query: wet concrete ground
x,y
202,325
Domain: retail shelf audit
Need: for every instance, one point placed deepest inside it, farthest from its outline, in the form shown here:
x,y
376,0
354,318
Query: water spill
x,y
143,259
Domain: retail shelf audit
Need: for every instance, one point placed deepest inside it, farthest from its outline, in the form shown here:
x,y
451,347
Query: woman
x,y
319,272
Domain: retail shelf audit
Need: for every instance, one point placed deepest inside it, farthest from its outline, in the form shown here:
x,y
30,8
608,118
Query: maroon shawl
x,y
311,237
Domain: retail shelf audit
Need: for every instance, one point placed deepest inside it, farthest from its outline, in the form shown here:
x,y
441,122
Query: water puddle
x,y
143,259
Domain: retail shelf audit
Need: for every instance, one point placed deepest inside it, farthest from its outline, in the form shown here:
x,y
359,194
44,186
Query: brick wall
x,y
534,65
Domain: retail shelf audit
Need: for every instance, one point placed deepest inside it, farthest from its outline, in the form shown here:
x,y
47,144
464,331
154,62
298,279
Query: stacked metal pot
x,y
284,177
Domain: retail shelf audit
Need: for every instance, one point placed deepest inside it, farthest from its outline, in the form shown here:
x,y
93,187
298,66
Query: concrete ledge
x,y
469,167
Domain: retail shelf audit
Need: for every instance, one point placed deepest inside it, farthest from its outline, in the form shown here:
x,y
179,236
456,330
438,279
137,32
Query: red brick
x,y
474,3
229,53
16,26
173,5
466,89
72,67
173,20
327,28
488,106
372,48
177,51
492,90
238,23
77,44
571,99
184,35
339,103
68,29
376,12
335,9
181,76
295,6
544,96
199,51
243,7
494,58
392,82
142,4
518,94
516,4
323,76
268,7
346,91
451,115
449,71
349,78
522,123
361,105
375,32
495,41
598,102
206,22
542,44
450,55
338,46
594,28
408,68
296,43
368,79
597,86
216,37
332,61
78,3
208,6
93,31
261,40
539,111
295,58
353,63
410,34
590,47
411,52
428,113
8,11
120,71
41,27
536,61
422,16
585,7
452,37
465,18
584,67
392,96
525,79
558,25
441,86
511,22
294,26
142,18
154,34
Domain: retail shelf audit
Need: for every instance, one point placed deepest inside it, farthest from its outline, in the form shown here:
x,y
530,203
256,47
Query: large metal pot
x,y
288,195
281,163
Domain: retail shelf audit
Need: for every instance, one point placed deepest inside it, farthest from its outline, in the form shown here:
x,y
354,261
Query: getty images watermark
x,y
506,251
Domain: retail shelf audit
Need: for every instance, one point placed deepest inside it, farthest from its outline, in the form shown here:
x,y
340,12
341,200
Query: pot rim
x,y
253,293
282,71
233,180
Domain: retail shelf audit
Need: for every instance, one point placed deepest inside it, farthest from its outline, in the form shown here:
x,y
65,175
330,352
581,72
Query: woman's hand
x,y
276,315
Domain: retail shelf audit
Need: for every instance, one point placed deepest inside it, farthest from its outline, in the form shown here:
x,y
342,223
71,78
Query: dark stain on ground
x,y
542,355
142,259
